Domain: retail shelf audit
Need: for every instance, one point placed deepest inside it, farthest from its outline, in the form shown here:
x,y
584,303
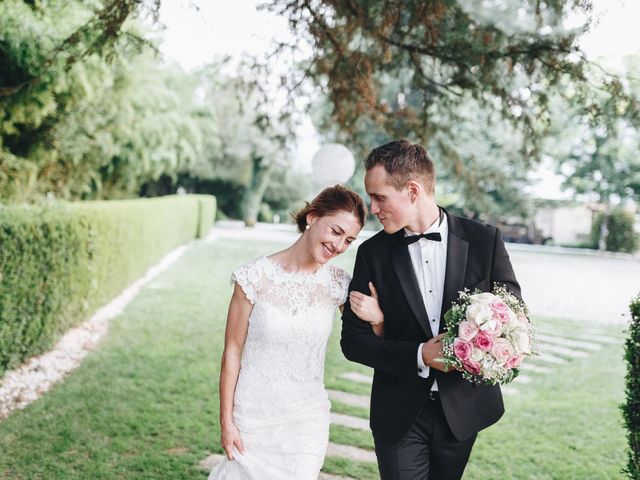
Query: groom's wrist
x,y
425,359
424,362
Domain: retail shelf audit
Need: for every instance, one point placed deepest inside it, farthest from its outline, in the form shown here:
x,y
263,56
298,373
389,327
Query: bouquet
x,y
488,335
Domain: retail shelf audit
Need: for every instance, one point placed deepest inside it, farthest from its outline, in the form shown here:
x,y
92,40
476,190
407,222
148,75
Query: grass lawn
x,y
563,425
144,405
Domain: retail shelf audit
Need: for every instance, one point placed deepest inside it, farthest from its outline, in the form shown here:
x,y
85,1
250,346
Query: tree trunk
x,y
604,230
252,197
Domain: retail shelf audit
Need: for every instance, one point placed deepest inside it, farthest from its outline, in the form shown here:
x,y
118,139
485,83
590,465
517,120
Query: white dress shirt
x,y
429,259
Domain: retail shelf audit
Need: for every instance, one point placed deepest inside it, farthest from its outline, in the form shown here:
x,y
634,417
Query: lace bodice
x,y
291,319
266,280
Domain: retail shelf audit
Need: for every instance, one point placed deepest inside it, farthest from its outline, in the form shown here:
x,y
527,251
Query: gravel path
x,y
595,289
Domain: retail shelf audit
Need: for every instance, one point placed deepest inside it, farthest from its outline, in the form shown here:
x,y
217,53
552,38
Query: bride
x,y
274,411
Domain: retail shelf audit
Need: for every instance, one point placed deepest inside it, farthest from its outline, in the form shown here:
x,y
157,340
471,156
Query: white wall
x,y
565,225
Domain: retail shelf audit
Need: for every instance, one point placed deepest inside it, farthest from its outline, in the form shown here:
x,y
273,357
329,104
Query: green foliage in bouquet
x,y
631,409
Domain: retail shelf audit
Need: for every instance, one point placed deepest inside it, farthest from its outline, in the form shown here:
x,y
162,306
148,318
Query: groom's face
x,y
392,207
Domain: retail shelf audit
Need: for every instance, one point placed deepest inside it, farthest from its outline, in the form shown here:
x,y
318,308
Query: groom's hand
x,y
432,353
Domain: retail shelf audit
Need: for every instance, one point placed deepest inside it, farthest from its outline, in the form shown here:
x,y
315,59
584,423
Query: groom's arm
x,y
360,344
501,269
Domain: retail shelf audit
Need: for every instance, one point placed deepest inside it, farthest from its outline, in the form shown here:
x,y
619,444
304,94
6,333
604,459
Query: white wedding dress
x,y
280,406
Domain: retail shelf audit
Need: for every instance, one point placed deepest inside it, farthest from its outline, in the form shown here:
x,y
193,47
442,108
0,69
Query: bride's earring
x,y
307,227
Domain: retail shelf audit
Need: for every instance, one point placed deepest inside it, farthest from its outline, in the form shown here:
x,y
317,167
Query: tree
x,y
253,139
399,68
88,110
620,233
72,31
86,122
500,172
599,155
139,126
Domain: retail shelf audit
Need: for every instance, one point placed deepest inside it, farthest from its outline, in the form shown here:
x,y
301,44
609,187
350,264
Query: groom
x,y
424,419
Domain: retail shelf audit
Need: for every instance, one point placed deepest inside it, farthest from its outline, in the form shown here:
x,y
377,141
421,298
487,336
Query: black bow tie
x,y
435,236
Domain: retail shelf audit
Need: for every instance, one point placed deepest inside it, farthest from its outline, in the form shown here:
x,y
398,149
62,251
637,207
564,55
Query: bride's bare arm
x,y
235,336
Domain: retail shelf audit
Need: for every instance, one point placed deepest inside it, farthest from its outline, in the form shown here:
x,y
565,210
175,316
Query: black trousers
x,y
428,451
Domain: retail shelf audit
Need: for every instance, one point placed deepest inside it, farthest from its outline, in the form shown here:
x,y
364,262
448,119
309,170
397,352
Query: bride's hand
x,y
367,308
231,438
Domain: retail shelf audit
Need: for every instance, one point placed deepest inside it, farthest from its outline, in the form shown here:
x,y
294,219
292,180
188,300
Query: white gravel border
x,y
25,384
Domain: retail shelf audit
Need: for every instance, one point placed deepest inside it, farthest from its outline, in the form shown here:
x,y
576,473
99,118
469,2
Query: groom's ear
x,y
413,188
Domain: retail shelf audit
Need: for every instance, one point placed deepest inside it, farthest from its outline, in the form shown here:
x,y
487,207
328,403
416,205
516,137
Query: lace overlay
x,y
280,405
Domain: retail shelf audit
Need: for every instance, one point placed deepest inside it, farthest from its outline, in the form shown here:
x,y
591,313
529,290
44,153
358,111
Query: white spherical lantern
x,y
333,163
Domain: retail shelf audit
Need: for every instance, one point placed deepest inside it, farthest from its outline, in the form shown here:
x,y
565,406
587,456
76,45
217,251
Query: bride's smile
x,y
330,235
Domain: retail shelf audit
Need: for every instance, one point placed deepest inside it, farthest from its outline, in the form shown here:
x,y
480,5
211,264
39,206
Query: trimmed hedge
x,y
206,213
631,410
59,264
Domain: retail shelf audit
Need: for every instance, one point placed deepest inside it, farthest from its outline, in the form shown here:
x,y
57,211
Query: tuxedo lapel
x,y
457,248
401,261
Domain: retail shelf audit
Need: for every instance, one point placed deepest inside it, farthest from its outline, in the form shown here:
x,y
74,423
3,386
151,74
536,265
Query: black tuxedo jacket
x,y
476,258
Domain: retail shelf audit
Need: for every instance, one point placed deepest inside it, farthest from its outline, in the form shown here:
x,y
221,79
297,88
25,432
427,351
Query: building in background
x,y
559,223
564,225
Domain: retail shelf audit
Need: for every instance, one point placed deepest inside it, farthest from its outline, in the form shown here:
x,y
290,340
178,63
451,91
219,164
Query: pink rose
x,y
501,350
499,306
484,341
467,330
502,317
513,362
472,367
462,349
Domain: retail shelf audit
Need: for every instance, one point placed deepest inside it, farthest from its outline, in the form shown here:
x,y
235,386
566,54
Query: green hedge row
x,y
631,409
206,213
59,263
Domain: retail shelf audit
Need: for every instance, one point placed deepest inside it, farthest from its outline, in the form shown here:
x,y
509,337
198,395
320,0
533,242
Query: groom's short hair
x,y
404,161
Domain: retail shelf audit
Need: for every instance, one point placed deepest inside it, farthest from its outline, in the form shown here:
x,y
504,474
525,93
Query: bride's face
x,y
330,235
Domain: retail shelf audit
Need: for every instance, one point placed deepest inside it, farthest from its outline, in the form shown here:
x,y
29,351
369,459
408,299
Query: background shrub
x,y
622,237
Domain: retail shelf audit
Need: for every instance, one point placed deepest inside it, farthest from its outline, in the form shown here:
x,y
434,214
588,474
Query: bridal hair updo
x,y
329,201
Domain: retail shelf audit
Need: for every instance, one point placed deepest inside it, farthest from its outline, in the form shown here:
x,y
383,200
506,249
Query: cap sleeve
x,y
341,281
248,277
346,281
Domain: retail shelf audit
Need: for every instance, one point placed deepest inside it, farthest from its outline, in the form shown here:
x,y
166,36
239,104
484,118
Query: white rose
x,y
489,365
494,327
520,341
512,324
476,354
484,298
479,313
